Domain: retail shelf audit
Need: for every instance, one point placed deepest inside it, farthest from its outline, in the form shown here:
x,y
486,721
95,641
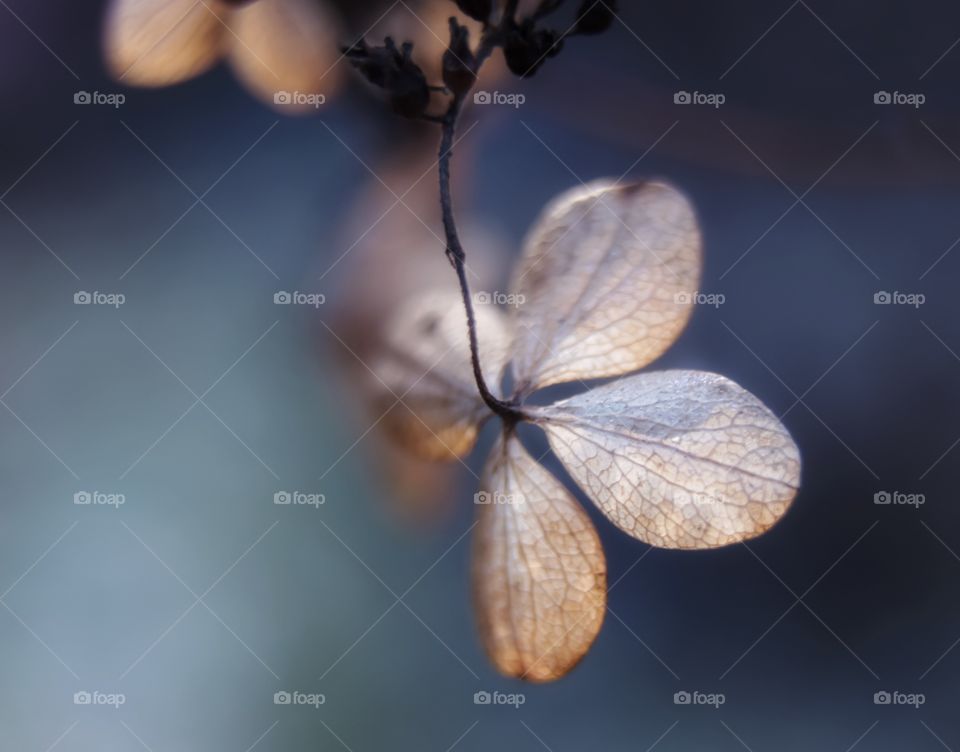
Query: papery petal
x,y
605,282
539,573
286,52
678,459
163,42
424,378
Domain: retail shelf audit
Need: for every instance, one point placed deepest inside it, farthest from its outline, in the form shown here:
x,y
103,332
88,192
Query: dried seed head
x,y
394,71
459,64
409,92
526,47
479,10
595,16
371,62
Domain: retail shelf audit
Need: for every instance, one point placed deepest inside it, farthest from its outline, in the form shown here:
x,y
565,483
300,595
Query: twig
x,y
525,48
508,411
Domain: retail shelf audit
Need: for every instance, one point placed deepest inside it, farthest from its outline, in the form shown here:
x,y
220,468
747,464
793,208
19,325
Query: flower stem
x,y
508,411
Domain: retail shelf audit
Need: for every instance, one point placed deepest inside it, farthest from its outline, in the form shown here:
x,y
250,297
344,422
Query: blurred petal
x,y
286,52
419,494
424,378
383,255
403,242
606,278
539,574
678,459
162,42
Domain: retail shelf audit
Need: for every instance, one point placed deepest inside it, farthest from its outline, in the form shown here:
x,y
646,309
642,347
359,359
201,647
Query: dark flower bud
x,y
549,42
479,10
371,62
525,48
547,7
459,64
409,91
394,71
410,95
595,16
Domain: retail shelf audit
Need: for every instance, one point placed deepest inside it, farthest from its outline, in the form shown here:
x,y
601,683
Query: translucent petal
x,y
606,280
425,362
679,459
286,52
539,574
162,42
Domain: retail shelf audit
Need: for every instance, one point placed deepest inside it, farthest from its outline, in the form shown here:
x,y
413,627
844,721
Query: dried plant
x,y
275,47
678,459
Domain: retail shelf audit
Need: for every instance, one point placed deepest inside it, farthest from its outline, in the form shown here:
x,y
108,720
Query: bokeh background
x,y
199,398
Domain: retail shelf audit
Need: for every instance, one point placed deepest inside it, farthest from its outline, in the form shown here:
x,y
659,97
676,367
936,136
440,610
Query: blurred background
x,y
186,406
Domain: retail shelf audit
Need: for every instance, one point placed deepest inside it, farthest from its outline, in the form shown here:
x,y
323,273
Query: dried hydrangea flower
x,y
678,459
273,46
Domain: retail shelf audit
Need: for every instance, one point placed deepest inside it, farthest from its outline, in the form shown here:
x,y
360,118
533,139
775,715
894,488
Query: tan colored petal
x,y
425,363
606,278
539,574
286,52
679,459
418,494
386,252
162,42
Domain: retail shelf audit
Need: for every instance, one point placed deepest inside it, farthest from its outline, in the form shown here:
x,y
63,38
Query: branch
x,y
508,411
525,48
